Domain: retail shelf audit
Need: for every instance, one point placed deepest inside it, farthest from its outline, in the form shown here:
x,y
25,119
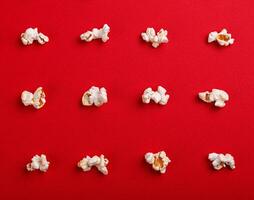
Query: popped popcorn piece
x,y
96,96
223,38
96,33
158,96
100,162
159,161
217,96
32,34
155,39
220,160
37,99
38,163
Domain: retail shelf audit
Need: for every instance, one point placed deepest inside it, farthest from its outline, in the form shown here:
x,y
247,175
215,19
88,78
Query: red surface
x,y
125,129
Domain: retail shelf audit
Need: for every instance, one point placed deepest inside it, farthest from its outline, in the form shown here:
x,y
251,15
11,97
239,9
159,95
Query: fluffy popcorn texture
x,y
96,33
38,163
96,96
99,162
223,38
37,99
31,34
159,161
217,96
220,160
155,39
158,96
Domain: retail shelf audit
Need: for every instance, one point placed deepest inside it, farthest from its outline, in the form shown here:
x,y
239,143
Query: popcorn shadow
x,y
215,44
22,108
91,108
32,173
96,42
94,170
148,44
209,106
148,168
140,103
79,41
208,164
19,44
151,105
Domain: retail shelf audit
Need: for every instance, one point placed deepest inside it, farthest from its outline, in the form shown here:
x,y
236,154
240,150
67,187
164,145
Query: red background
x,y
125,129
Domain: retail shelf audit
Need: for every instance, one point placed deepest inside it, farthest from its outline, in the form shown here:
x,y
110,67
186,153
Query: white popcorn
x,y
38,163
220,160
96,96
32,34
38,99
223,38
217,96
156,40
158,96
159,161
96,34
100,162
